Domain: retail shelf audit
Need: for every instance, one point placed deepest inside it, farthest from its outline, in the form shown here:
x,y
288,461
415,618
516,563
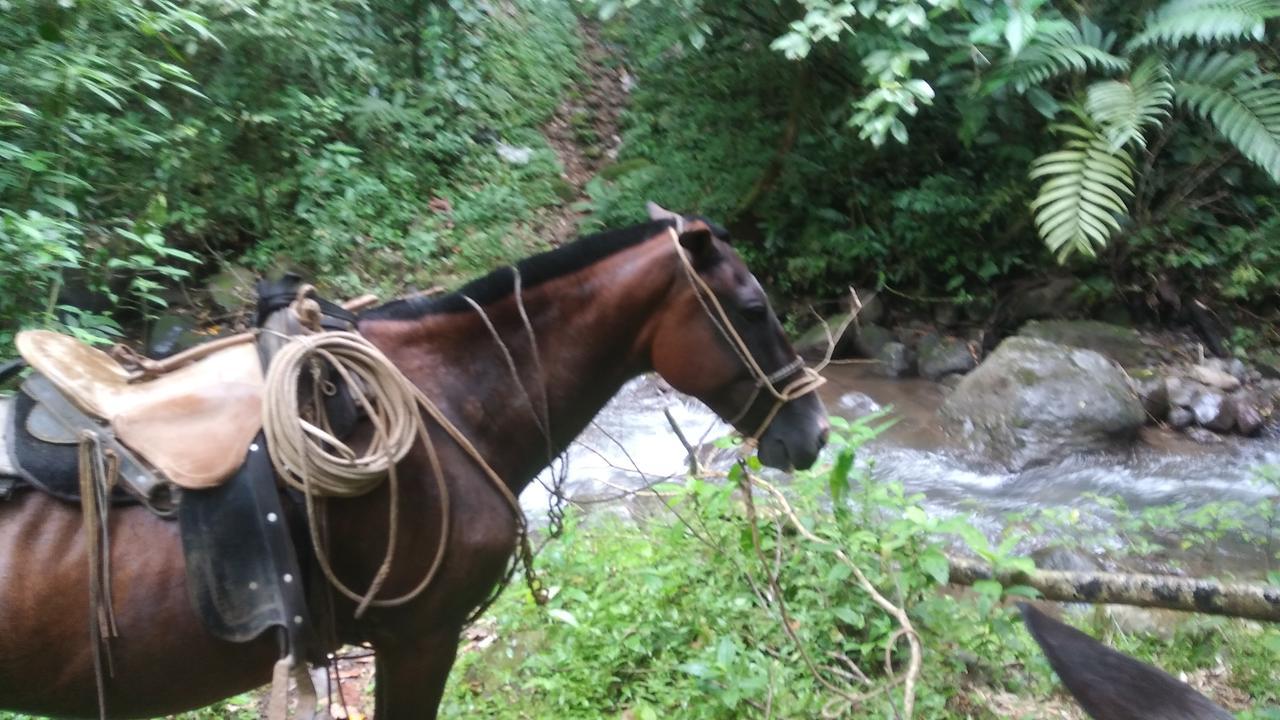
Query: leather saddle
x,y
193,424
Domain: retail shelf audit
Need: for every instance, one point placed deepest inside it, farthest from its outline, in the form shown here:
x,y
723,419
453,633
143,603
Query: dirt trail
x,y
584,130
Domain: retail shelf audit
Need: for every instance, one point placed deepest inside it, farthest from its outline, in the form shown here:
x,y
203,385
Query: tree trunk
x,y
1245,600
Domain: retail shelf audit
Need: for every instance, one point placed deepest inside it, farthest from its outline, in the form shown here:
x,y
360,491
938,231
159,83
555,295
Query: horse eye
x,y
755,312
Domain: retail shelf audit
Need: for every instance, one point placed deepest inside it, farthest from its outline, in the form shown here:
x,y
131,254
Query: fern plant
x,y
1081,202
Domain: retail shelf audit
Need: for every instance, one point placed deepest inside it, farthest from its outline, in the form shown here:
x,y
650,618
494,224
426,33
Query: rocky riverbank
x,y
1061,387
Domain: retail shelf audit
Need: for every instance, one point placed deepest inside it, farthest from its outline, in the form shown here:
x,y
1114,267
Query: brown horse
x,y
603,310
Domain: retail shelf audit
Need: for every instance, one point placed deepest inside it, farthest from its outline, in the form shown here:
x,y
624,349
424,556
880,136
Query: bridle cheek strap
x,y
806,382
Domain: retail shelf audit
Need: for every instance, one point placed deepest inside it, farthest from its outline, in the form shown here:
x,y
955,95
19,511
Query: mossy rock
x,y
1117,342
1033,402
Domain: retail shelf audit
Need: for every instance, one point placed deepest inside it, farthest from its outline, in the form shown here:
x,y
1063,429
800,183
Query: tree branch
x,y
1245,600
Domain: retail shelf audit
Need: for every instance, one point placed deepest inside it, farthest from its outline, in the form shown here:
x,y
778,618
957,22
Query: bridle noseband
x,y
806,382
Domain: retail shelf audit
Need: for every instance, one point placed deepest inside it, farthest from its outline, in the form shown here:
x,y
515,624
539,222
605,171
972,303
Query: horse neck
x,y
592,329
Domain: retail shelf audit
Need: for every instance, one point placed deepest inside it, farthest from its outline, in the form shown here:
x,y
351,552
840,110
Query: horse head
x,y
719,340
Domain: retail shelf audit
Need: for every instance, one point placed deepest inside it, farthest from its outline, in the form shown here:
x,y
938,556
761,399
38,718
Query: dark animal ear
x,y
701,246
1110,685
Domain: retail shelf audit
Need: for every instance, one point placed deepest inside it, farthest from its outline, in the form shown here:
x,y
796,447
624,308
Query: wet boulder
x,y
871,339
1251,410
938,356
1182,392
1180,417
1033,402
1119,343
1215,377
854,405
895,360
1213,411
813,343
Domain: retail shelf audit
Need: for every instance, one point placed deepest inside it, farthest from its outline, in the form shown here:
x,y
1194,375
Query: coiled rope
x,y
308,457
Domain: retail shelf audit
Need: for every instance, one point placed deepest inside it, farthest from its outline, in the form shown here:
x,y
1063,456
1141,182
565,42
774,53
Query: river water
x,y
632,444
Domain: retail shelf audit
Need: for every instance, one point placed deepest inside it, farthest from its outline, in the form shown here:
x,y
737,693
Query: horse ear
x,y
1110,685
657,212
701,245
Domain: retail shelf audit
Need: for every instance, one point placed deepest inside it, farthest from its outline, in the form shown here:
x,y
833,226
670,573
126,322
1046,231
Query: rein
x,y
806,382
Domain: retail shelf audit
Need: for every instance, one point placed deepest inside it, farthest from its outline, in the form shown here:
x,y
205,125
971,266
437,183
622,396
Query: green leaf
x,y
1243,105
1069,48
1123,109
1207,21
563,616
698,670
838,480
1020,27
1043,102
1083,192
934,564
989,589
849,616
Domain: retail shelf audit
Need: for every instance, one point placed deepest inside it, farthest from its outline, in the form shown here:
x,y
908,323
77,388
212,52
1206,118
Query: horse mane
x,y
534,270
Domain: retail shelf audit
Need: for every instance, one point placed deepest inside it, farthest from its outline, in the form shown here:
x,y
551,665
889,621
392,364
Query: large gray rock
x,y
937,356
1119,343
1248,418
1033,402
855,405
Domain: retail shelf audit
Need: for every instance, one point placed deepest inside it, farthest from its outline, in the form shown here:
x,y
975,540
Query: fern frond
x,y
1070,49
1207,21
1212,67
1124,108
1245,110
1085,187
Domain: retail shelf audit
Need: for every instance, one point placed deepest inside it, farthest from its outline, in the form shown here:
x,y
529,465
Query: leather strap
x,y
135,477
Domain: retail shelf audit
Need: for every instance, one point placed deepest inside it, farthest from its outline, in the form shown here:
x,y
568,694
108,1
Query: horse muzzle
x,y
796,436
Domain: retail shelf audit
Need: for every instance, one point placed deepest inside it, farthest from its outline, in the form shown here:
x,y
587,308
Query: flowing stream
x,y
632,444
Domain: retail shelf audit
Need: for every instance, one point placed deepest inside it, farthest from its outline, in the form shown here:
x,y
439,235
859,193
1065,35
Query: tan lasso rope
x,y
308,457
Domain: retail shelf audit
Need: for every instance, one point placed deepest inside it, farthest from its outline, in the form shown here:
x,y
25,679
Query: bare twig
x,y
695,467
899,614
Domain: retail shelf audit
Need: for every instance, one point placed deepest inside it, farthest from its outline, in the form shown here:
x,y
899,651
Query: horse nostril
x,y
823,435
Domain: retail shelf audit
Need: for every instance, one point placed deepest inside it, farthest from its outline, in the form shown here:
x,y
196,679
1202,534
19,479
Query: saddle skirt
x,y
193,424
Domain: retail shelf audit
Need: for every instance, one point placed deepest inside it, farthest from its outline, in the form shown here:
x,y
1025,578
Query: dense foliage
x,y
902,143
685,616
353,138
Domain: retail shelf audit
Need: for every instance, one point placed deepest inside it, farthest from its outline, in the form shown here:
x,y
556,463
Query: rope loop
x,y
308,456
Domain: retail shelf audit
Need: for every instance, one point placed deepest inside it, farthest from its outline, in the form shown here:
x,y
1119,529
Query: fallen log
x,y
1244,600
